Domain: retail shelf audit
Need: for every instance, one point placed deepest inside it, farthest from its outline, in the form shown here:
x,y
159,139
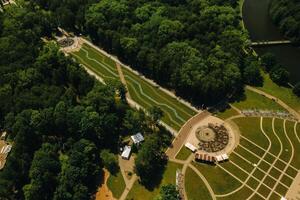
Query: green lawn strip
x,y
255,100
227,113
250,128
245,154
183,154
195,187
256,197
116,184
292,172
220,181
281,189
287,149
184,111
269,181
280,165
283,93
275,196
251,147
241,162
264,166
269,158
291,134
138,191
94,66
243,193
258,174
263,190
167,118
275,144
286,180
252,183
275,173
100,55
95,54
234,170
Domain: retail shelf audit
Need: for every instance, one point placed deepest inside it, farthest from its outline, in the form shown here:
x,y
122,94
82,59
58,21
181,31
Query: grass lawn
x,y
254,100
233,169
267,126
144,93
220,181
283,93
286,180
250,128
263,190
194,186
281,189
252,183
140,192
183,154
241,194
226,113
287,149
292,135
241,162
242,152
275,173
116,184
269,181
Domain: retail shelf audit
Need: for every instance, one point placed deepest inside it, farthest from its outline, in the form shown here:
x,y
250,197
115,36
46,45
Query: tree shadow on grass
x,y
154,180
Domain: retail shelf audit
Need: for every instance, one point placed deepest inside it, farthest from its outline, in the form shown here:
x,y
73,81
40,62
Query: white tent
x,y
137,138
126,152
190,147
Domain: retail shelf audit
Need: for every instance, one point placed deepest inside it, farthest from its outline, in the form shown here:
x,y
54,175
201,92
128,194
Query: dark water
x,y
260,27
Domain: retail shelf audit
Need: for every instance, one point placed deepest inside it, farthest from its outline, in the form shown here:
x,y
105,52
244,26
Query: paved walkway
x,y
184,132
122,78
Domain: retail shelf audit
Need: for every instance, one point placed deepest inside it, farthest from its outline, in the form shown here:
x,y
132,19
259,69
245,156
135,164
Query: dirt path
x,y
103,192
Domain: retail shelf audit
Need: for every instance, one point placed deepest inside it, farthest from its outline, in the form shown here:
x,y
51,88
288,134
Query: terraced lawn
x,y
141,91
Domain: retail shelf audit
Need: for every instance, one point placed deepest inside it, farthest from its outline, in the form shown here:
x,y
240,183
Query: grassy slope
x,y
254,100
226,113
194,186
140,192
283,93
116,184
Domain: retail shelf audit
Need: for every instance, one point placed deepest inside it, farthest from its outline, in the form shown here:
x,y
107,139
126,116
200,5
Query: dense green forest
x,y
195,47
58,118
286,15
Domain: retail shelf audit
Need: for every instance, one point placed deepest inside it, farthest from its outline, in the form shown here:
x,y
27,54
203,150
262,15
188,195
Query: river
x,y
260,28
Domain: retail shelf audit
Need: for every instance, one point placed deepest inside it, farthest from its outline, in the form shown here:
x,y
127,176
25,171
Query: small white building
x,y
190,147
126,152
137,138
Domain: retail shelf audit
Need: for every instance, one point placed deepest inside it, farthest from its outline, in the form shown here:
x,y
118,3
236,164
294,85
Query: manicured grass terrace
x,y
144,93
